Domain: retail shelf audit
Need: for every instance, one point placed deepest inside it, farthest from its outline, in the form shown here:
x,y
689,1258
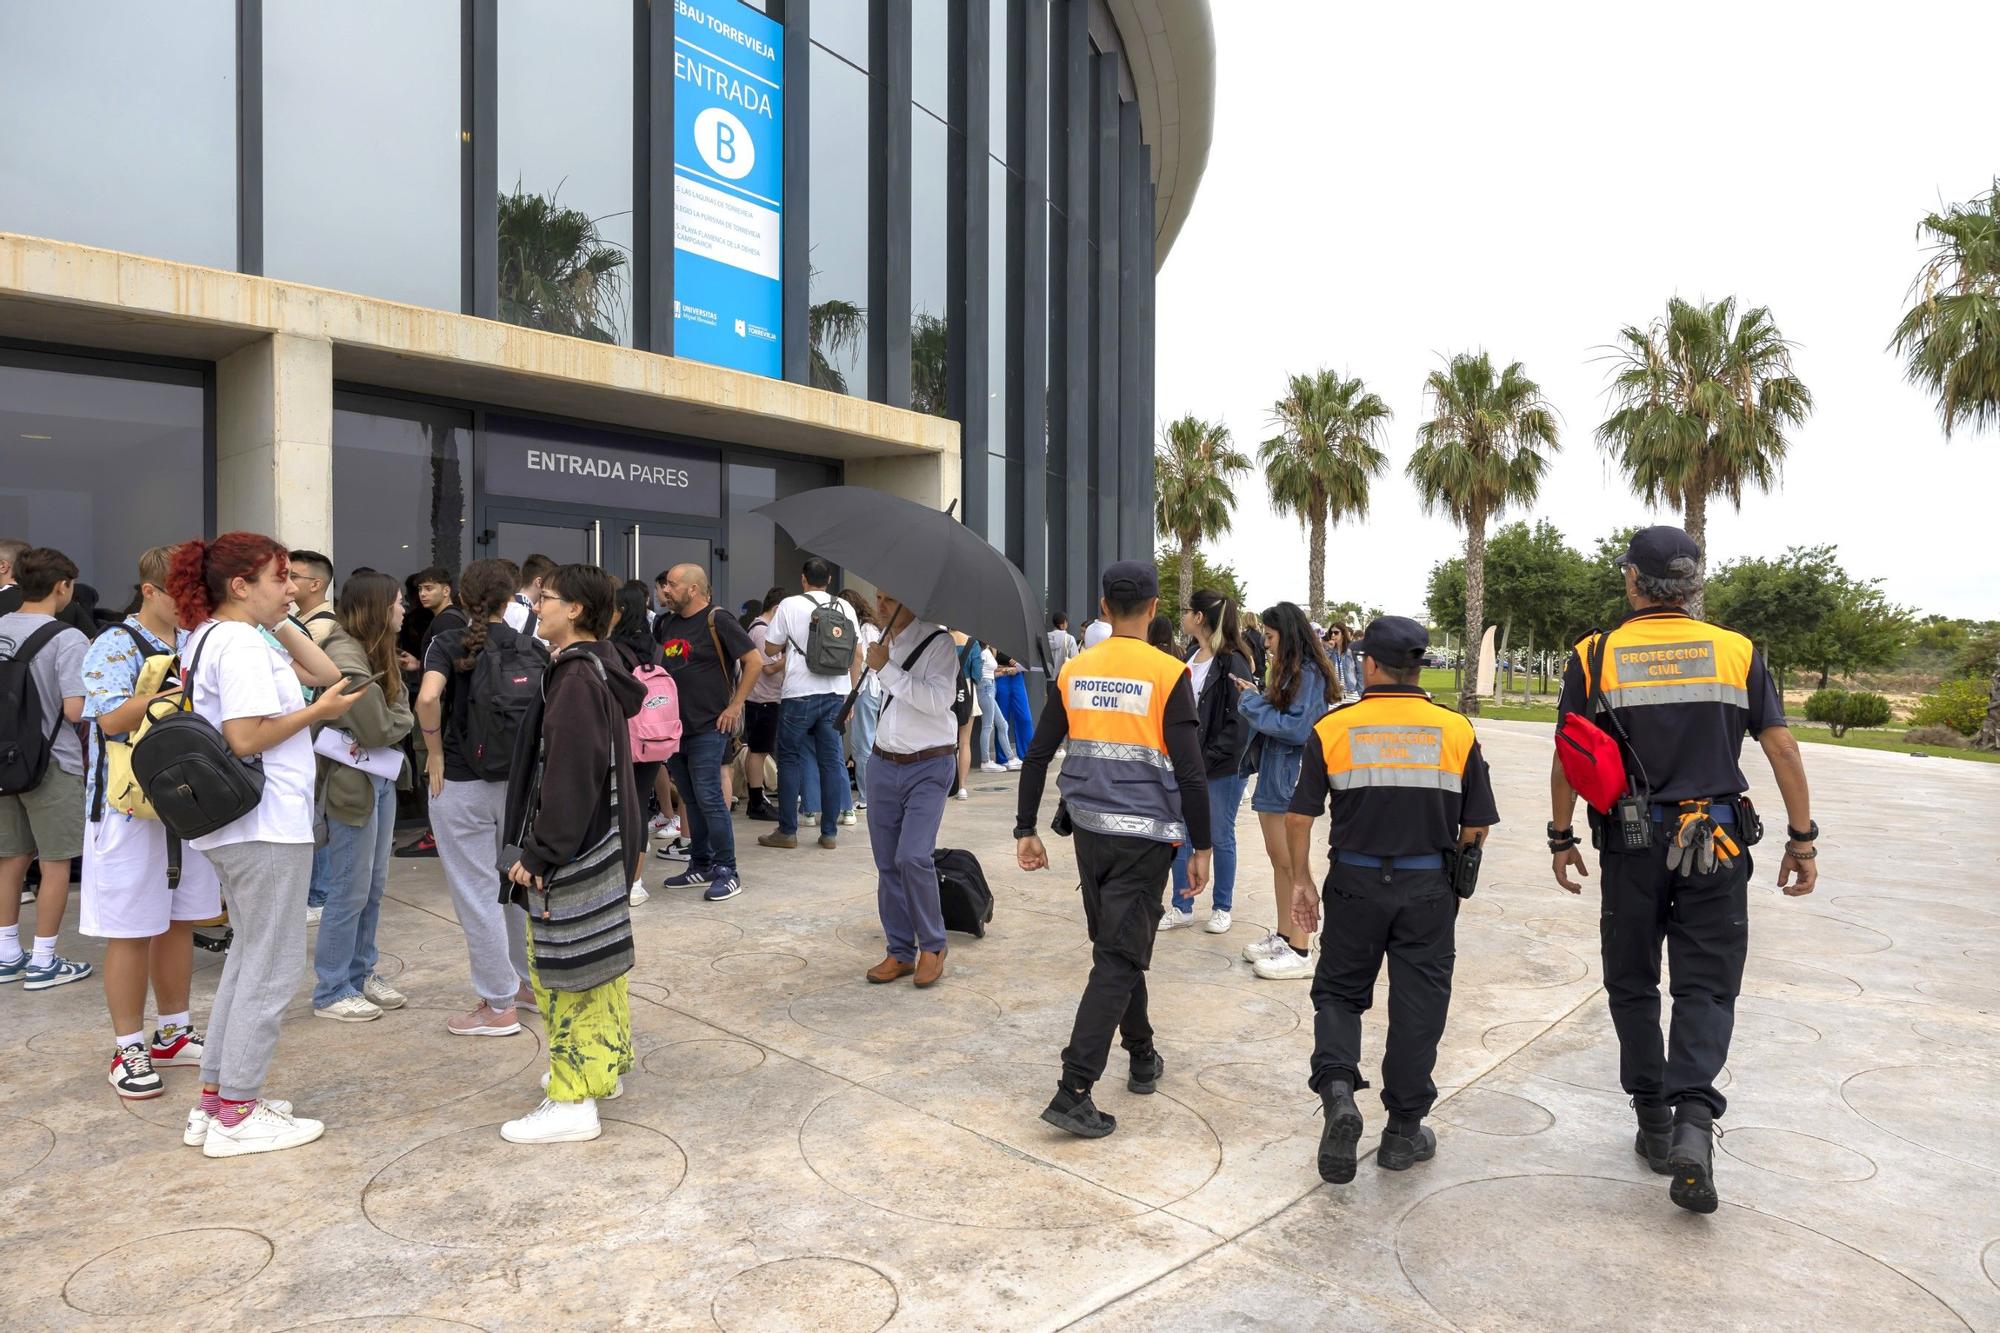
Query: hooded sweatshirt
x,y
582,720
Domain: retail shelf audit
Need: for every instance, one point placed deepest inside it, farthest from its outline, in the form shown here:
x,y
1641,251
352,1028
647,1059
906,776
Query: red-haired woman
x,y
244,662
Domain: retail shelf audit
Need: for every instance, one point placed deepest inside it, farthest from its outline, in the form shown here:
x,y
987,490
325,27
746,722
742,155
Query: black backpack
x,y
962,893
506,682
24,747
195,781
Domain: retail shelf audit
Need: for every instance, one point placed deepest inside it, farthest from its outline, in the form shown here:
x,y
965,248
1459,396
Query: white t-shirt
x,y
242,675
1199,671
791,624
1096,632
870,684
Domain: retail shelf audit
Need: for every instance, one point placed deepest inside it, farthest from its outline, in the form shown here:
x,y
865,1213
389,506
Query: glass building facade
x,y
968,231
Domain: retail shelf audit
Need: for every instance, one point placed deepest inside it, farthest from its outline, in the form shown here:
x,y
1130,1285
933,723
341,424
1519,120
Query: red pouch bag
x,y
1590,757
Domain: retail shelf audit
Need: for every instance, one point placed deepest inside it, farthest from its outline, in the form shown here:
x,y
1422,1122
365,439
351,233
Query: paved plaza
x,y
800,1150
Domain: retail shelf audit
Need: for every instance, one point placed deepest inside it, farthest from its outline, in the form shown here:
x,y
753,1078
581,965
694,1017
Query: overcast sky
x,y
1393,183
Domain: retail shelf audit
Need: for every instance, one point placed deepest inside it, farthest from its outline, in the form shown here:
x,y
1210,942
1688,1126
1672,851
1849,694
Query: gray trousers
x,y
905,807
465,819
263,884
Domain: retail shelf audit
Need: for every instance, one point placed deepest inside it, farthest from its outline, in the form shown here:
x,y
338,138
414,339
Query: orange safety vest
x,y
1117,777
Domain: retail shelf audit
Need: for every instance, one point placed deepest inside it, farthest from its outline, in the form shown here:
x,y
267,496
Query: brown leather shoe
x,y
890,969
930,966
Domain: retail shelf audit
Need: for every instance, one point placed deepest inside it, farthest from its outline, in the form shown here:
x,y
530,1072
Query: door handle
x,y
634,534
597,543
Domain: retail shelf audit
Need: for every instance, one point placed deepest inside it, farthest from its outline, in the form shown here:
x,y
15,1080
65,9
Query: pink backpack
x,y
656,727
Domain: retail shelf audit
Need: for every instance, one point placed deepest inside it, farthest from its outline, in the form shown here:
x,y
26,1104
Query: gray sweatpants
x,y
466,819
263,884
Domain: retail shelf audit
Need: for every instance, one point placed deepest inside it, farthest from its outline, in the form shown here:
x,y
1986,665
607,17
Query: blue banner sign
x,y
729,151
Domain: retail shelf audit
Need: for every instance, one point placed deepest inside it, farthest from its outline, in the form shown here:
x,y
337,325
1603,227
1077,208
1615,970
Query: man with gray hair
x,y
1677,694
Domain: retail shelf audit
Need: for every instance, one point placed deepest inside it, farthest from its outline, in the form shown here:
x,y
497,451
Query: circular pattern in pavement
x,y
1189,958
696,936
1989,1259
1774,978
1754,1026
1952,915
651,991
966,1147
1195,1013
702,1060
759,964
1490,1111
387,1323
1576,929
206,1262
1807,932
1933,1106
1583,1055
853,1010
1957,1030
1980,999
1787,1152
1764,1271
826,1294
461,1190
1509,1038
1489,956
24,1145
1278,1086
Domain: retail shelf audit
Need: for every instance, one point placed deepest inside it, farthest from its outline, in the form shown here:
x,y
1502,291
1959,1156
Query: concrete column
x,y
274,441
932,480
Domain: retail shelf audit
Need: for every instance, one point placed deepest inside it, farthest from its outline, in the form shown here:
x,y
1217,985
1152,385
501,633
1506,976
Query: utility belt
x,y
1460,867
1612,831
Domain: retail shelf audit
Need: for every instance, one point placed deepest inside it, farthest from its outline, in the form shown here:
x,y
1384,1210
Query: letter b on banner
x,y
724,144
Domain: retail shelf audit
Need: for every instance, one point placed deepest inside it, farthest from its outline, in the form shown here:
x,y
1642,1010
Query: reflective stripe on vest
x,y
1653,660
1117,777
1395,740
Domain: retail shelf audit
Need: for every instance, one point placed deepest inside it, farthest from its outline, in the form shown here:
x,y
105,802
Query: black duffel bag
x,y
195,781
966,901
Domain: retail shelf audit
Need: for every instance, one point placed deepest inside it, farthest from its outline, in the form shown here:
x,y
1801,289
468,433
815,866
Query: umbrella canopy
x,y
929,561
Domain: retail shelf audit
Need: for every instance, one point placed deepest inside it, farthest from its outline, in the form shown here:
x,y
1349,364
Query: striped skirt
x,y
580,921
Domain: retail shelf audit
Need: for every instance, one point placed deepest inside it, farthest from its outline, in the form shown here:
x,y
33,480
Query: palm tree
x,y
556,270
1701,403
930,377
1478,453
1319,464
834,328
1950,337
1192,468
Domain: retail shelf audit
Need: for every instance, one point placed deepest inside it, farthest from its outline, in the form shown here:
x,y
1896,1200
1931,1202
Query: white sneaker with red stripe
x,y
132,1075
177,1047
196,1132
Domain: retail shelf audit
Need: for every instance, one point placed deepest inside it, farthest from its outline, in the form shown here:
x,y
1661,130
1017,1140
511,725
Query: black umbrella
x,y
928,560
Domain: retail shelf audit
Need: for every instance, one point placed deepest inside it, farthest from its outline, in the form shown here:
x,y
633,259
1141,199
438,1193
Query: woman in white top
x,y
245,660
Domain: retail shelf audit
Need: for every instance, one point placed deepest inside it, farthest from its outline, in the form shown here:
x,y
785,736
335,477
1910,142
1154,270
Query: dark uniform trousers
x,y
1124,896
1411,917
1705,921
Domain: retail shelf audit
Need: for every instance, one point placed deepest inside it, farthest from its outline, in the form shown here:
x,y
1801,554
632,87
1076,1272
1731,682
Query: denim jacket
x,y
1282,734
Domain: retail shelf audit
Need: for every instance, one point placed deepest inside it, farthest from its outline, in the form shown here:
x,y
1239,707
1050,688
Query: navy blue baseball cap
x,y
1395,641
1131,581
1660,552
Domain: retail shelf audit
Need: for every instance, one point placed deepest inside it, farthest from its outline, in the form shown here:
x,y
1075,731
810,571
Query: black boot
x,y
1342,1133
1145,1076
1075,1112
759,807
1400,1152
1692,1159
1654,1140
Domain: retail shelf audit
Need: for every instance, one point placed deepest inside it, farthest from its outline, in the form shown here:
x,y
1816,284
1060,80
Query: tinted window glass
x,y
930,56
402,482
930,149
837,317
761,556
842,27
1000,12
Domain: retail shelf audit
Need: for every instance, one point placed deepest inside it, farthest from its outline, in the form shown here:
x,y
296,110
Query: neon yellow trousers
x,y
590,1037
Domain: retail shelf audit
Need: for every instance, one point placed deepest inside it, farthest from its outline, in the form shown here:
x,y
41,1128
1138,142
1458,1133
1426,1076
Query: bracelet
x,y
1809,854
1810,835
1560,847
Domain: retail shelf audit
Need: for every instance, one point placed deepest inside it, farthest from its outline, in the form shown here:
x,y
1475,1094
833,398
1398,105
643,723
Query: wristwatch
x,y
1027,831
1811,833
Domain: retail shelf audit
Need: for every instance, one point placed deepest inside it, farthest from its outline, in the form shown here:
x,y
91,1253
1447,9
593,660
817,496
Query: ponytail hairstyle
x,y
367,602
1225,630
1298,648
484,590
198,579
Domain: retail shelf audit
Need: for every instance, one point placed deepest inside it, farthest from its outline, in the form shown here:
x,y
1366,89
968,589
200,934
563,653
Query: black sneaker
x,y
1654,1141
1337,1142
762,812
1692,1160
423,846
1400,1152
1145,1076
680,849
1079,1115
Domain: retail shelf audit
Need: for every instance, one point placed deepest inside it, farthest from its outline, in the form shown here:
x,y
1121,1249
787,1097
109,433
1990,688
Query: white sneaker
x,y
196,1132
1013,766
1174,918
638,894
266,1129
657,823
847,818
667,830
555,1122
1062,752
381,994
990,767
1218,922
1258,950
313,915
963,794
617,1089
350,1009
1289,966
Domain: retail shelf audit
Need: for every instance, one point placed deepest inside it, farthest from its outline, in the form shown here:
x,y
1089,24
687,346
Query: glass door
x,y
651,549
566,538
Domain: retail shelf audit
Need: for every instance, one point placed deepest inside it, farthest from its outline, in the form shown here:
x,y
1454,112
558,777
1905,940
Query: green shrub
x,y
1958,704
1942,737
1841,709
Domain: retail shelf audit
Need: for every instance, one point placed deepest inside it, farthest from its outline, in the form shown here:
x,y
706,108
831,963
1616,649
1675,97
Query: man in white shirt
x,y
520,612
1096,632
810,704
914,769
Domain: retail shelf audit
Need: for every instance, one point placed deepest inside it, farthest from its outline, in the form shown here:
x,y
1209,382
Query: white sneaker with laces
x,y
990,767
1288,966
848,818
350,1009
266,1129
1258,950
638,894
1013,766
1218,922
555,1122
617,1089
963,794
381,994
1174,918
196,1132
